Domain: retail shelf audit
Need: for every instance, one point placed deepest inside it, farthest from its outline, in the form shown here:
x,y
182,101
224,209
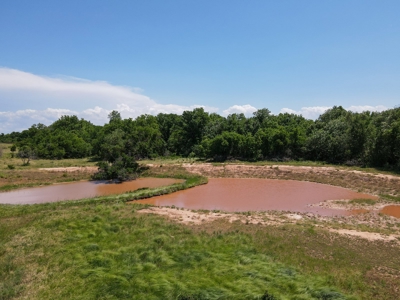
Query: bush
x,y
122,169
25,153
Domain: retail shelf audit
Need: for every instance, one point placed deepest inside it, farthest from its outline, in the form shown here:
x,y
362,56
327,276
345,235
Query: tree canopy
x,y
337,136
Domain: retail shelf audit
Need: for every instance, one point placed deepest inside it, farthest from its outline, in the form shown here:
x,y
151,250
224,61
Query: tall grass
x,y
109,251
391,197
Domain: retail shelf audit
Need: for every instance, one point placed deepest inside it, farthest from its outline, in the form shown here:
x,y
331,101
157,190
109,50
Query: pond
x,y
79,190
226,194
239,194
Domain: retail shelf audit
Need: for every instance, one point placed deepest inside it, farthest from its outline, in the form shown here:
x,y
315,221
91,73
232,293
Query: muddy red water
x,y
391,210
237,194
79,190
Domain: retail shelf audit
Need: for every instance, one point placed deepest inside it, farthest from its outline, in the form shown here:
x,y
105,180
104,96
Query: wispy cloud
x,y
71,88
246,109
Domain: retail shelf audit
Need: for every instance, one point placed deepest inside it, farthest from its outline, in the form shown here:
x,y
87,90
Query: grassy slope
x,y
107,250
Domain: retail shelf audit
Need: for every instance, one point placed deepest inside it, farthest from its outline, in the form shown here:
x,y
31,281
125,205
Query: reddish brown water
x,y
79,190
237,194
391,210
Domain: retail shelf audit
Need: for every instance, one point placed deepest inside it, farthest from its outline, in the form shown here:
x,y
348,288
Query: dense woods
x,y
337,136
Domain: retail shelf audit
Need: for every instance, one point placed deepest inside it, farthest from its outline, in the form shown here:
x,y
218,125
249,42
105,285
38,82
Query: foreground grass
x,y
107,250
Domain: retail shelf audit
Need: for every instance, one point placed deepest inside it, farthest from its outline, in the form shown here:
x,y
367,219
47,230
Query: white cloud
x,y
66,87
238,109
23,119
361,108
314,112
289,111
28,99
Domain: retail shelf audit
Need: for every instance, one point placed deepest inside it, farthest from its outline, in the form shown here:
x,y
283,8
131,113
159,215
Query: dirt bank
x,y
218,170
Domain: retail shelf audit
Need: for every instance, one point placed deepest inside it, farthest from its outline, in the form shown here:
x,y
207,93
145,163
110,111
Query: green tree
x,y
13,149
117,162
166,122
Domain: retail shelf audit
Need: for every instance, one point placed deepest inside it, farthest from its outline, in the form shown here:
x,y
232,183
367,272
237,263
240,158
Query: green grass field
x,y
107,250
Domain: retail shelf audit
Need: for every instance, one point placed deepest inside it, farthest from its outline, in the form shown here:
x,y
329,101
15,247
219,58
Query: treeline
x,y
337,136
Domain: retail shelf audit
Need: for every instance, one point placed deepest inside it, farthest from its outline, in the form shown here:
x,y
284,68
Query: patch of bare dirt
x,y
371,236
189,217
185,216
71,169
350,205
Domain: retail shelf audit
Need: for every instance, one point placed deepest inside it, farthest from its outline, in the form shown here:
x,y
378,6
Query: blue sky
x,y
89,57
